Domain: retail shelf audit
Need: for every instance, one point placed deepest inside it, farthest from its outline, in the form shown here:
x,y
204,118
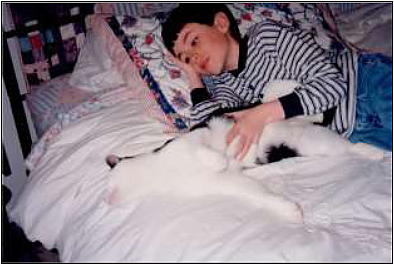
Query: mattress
x,y
346,202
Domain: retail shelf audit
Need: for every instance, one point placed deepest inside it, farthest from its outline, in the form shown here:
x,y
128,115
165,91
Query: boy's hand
x,y
250,123
193,77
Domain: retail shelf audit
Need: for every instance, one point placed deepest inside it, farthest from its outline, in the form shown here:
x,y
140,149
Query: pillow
x,y
112,59
50,100
141,37
304,16
94,70
142,9
103,62
247,14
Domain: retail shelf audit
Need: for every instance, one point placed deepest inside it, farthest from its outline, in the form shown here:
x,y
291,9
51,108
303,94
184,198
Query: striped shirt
x,y
273,52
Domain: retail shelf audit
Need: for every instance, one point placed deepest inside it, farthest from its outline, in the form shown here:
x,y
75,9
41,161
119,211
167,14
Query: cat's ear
x,y
211,159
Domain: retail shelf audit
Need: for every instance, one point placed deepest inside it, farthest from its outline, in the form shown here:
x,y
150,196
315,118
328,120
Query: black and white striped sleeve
x,y
205,104
322,85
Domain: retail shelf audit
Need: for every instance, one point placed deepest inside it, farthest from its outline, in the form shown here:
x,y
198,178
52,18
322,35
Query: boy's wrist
x,y
271,111
277,110
291,105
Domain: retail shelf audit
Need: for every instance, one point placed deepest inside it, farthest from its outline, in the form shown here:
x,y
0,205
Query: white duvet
x,y
346,203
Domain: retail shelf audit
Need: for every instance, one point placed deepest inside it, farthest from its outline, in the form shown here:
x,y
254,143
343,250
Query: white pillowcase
x,y
95,70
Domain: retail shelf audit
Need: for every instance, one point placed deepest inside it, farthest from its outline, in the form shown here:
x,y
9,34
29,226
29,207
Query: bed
x,y
125,97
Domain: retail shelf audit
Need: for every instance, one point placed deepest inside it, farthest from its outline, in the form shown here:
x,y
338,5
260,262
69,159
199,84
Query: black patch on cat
x,y
200,125
113,163
328,117
115,160
205,124
162,146
277,153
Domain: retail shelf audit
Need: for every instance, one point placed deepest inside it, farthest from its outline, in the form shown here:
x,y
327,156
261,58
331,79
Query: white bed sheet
x,y
346,202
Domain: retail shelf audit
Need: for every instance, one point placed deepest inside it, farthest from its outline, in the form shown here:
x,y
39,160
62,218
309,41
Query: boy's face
x,y
207,49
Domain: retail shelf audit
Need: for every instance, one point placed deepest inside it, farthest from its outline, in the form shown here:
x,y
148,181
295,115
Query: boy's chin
x,y
214,71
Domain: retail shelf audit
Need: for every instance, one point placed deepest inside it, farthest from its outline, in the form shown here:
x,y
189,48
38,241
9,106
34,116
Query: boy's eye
x,y
194,41
187,60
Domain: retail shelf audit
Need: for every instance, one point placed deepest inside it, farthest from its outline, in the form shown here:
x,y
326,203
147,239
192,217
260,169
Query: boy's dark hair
x,y
202,13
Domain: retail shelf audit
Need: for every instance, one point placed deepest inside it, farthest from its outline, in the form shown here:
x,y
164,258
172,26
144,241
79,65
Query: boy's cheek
x,y
197,69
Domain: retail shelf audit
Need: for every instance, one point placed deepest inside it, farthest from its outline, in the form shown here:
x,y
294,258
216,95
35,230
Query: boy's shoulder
x,y
264,29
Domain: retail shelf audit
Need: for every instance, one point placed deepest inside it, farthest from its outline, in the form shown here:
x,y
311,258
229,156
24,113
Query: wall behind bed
x,y
41,41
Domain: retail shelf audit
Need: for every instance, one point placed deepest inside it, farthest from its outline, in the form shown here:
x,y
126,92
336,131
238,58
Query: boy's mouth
x,y
204,63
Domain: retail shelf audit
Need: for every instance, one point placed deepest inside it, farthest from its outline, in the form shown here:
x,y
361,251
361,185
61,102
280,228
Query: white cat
x,y
199,163
196,164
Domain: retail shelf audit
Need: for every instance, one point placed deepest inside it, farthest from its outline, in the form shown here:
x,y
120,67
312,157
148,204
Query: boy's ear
x,y
221,22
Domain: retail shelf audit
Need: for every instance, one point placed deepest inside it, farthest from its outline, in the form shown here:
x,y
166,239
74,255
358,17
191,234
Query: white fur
x,y
299,133
310,140
194,165
279,88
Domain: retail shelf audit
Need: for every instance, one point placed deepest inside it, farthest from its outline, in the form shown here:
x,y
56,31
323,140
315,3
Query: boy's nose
x,y
194,57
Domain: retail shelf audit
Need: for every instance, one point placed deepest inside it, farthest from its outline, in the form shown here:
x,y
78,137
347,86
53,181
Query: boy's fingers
x,y
240,147
231,134
243,150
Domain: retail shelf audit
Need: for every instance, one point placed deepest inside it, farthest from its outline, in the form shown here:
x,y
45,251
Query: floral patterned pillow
x,y
142,39
247,14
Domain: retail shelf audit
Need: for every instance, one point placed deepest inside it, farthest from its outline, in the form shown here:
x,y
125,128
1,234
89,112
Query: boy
x,y
205,40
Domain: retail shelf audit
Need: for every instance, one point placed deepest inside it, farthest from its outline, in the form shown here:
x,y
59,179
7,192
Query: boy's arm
x,y
322,84
322,87
250,123
204,105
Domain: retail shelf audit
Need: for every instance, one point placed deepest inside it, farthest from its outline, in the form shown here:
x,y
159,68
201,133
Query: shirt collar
x,y
243,52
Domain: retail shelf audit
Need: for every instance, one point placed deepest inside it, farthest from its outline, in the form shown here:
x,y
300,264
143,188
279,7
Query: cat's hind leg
x,y
254,192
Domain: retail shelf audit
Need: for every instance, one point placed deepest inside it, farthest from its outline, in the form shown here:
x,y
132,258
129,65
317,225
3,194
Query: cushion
x,y
91,87
142,9
109,53
49,101
94,70
165,79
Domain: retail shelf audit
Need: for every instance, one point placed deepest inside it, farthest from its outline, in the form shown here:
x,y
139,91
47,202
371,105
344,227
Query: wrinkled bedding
x,y
346,202
367,26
